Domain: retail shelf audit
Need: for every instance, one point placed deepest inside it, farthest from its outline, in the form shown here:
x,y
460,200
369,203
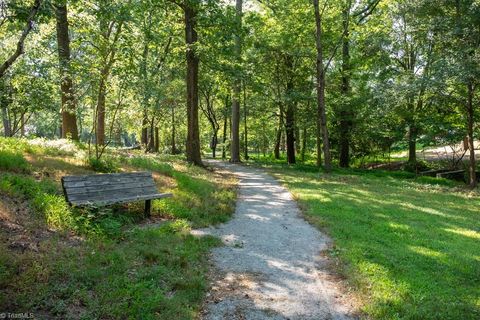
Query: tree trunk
x,y
235,143
151,137
100,130
22,125
214,142
412,142
298,138
322,116
174,147
144,137
225,124
346,112
290,112
7,130
109,59
278,140
69,118
245,116
157,140
472,176
193,131
146,97
304,143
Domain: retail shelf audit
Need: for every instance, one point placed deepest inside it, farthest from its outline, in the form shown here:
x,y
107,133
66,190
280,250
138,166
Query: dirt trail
x,y
271,266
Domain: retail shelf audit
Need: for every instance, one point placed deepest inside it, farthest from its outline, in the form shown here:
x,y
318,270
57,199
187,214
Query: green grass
x,y
196,195
14,162
112,268
411,248
153,273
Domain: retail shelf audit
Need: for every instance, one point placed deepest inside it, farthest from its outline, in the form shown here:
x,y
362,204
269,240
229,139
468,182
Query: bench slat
x,y
109,187
104,181
96,196
106,176
122,200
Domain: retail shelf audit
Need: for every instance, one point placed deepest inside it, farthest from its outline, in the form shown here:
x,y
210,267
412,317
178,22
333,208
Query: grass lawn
x,y
410,248
105,263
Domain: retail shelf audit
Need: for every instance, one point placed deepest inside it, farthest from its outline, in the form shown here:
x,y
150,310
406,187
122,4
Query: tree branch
x,y
20,44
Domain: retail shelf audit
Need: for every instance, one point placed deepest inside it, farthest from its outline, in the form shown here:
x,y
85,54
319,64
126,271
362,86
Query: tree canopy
x,y
327,81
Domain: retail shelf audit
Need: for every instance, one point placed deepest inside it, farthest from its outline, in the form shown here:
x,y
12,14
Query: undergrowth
x,y
115,269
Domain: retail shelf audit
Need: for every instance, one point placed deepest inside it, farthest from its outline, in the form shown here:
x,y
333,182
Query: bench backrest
x,y
108,188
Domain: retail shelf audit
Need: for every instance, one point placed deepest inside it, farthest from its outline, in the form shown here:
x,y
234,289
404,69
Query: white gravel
x,y
270,266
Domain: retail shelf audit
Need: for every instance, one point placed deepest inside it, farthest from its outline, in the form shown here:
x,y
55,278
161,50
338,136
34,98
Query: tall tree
x,y
235,143
322,115
191,38
110,31
69,118
290,112
346,115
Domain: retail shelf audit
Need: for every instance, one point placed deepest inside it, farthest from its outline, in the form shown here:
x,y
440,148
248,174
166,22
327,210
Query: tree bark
x,y
213,143
235,143
245,117
22,125
144,137
100,129
278,140
298,138
144,77
472,175
172,142
156,147
193,131
322,116
69,118
225,124
346,112
7,130
304,143
412,143
290,112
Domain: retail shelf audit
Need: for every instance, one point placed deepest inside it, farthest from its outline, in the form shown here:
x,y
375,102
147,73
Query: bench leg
x,y
148,208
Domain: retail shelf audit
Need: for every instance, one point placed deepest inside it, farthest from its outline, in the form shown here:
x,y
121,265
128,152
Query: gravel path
x,y
270,267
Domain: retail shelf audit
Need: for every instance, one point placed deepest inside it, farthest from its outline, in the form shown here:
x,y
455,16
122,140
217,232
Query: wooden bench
x,y
107,189
458,175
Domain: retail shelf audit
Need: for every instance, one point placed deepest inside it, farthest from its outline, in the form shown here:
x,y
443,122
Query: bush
x,y
418,166
105,165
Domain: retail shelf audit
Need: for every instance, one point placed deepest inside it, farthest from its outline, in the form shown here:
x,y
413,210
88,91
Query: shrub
x,y
418,166
105,165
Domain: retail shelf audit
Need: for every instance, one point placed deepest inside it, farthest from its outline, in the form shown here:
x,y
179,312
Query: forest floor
x,y
58,262
408,246
272,265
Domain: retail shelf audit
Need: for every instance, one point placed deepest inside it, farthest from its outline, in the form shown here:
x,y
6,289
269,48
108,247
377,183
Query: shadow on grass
x,y
413,252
